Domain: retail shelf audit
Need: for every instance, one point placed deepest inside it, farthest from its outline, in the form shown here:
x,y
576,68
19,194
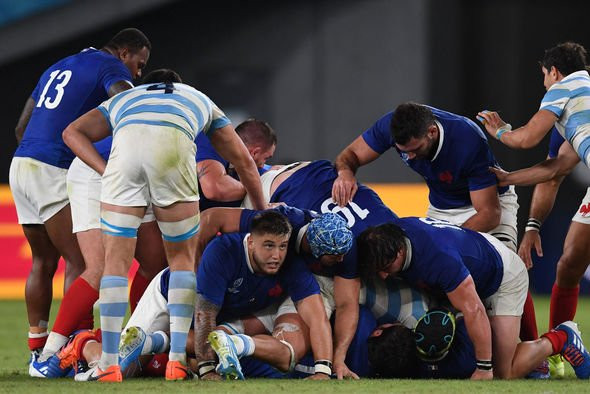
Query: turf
x,y
14,377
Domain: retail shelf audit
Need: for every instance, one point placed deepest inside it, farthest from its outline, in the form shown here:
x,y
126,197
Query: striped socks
x,y
113,304
181,304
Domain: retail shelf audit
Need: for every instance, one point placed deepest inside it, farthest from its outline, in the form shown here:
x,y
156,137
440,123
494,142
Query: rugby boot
x,y
574,351
229,364
111,374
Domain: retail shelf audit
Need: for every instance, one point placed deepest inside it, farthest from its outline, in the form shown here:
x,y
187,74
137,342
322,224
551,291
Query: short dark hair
x,y
378,246
393,353
567,57
270,222
256,131
410,120
130,38
161,75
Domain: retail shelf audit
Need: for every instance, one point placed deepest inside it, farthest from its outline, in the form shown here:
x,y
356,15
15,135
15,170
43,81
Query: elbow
x,y
491,217
211,191
67,136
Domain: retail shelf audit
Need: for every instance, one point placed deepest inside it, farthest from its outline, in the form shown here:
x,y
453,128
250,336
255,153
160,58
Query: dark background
x,y
321,72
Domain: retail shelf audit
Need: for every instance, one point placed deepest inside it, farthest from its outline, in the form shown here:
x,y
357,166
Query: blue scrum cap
x,y
329,234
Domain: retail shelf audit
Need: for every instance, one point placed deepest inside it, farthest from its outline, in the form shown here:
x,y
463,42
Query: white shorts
x,y
151,313
150,164
505,232
38,189
266,316
84,187
509,299
583,213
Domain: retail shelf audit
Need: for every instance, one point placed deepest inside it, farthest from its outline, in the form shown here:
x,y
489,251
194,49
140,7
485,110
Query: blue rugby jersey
x,y
459,166
555,143
66,90
443,255
311,188
226,279
569,100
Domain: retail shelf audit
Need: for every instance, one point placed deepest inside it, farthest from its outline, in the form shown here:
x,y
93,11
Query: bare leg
x,y
39,287
150,250
289,328
59,228
505,330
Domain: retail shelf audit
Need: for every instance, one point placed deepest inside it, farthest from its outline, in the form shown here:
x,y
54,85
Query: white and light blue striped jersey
x,y
569,100
173,105
393,300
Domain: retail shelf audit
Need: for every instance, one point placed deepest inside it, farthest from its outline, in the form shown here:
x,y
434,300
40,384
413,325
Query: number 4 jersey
x,y
65,91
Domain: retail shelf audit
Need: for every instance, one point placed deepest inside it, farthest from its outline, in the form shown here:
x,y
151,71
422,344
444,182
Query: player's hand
x,y
478,374
344,188
530,240
211,376
491,121
342,372
318,376
273,205
503,176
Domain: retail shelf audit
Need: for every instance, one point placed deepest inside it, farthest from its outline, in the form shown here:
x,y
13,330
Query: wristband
x,y
533,225
204,367
484,365
323,366
503,129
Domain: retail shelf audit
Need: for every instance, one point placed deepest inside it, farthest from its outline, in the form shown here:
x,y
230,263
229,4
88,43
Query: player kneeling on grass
x,y
467,265
249,281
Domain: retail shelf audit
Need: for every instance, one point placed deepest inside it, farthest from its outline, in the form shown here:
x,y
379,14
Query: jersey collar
x,y
245,243
299,240
441,139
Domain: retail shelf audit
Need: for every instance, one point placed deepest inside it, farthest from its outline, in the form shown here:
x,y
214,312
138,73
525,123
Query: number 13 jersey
x,y
66,90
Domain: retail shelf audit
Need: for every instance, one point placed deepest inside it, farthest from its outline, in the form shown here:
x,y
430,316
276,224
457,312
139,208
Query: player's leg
x,y
39,288
505,331
119,227
570,269
151,256
179,224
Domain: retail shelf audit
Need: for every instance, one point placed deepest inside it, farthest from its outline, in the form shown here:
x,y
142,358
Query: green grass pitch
x,y
14,377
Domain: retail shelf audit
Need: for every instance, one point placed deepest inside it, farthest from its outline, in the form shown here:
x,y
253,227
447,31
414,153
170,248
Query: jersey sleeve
x,y
298,279
297,217
205,150
218,120
447,271
104,109
555,143
378,136
114,71
555,99
213,274
477,166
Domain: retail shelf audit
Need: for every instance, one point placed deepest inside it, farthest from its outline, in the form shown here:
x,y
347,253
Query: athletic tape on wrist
x,y
484,365
503,129
323,366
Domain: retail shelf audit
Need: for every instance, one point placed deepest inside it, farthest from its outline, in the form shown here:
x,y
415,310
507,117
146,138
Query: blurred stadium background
x,y
320,71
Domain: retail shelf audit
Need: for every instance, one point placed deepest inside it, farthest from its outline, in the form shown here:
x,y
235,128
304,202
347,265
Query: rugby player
x,y
242,282
152,161
66,90
564,106
469,267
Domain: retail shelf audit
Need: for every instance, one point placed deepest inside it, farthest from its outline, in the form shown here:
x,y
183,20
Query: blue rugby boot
x,y
574,351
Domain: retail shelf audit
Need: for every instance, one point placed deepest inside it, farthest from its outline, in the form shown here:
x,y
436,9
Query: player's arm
x,y
563,164
228,144
81,133
205,322
524,137
311,309
216,184
355,155
213,221
541,205
465,298
346,298
118,87
24,118
487,206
